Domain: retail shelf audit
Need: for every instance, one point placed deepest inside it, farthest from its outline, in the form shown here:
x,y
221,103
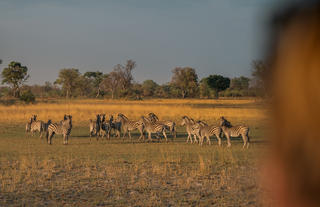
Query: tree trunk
x,y
98,93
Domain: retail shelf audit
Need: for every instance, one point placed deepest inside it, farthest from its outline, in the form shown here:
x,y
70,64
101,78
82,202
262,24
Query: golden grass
x,y
83,110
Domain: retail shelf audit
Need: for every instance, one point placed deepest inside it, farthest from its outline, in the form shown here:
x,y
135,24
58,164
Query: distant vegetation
x,y
120,83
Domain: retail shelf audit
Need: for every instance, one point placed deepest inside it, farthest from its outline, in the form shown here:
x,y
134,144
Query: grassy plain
x,y
115,172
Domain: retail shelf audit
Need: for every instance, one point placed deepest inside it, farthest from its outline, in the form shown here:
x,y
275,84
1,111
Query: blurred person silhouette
x,y
294,84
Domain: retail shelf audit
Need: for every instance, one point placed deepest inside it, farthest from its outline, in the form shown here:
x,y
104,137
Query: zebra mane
x,y
123,116
185,117
225,122
153,116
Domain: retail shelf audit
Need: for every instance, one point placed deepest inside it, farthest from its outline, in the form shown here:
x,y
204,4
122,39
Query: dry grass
x,y
209,110
121,173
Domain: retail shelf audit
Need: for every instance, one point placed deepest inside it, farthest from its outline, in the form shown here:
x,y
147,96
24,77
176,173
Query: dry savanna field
x,y
124,173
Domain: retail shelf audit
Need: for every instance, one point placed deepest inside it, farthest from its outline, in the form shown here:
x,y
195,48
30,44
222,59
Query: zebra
x,y
235,131
92,127
35,125
95,126
205,131
153,127
170,124
105,128
116,126
191,128
129,125
62,128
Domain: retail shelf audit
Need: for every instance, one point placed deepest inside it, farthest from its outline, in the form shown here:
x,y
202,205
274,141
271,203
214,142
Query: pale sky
x,y
212,36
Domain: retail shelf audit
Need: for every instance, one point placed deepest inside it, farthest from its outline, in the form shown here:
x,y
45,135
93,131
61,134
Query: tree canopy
x,y
185,80
68,79
15,75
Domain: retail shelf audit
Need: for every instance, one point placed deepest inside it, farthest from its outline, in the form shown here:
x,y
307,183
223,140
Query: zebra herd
x,y
104,127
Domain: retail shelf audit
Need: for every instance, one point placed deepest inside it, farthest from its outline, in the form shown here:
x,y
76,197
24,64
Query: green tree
x,y
205,90
96,78
241,83
68,79
149,87
15,75
84,86
185,80
217,83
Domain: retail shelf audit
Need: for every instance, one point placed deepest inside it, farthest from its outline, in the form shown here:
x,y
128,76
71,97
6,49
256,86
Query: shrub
x,y
27,97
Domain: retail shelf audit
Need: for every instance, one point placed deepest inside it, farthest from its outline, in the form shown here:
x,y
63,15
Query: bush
x,y
27,97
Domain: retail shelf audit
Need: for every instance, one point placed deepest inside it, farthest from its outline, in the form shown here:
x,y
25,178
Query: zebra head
x,y
68,120
120,118
224,122
111,118
103,118
34,117
184,121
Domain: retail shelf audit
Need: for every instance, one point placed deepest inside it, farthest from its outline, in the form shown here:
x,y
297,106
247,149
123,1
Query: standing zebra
x,y
235,131
116,126
191,128
206,131
35,125
62,128
129,125
170,124
153,127
95,126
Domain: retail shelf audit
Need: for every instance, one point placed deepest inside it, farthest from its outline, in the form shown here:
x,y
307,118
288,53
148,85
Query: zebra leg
x,y
165,135
195,140
124,134
130,135
219,139
50,137
208,140
245,139
228,140
149,136
200,140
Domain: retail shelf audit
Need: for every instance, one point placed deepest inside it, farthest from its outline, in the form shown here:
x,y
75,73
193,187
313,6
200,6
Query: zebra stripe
x,y
62,128
153,127
207,131
191,128
170,124
235,131
129,125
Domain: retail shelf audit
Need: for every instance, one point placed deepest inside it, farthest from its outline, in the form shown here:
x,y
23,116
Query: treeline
x,y
120,83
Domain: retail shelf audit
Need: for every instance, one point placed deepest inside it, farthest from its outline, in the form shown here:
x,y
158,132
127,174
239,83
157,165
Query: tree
x,y
217,83
111,83
205,90
83,86
68,79
96,78
149,87
15,75
259,73
241,83
185,80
